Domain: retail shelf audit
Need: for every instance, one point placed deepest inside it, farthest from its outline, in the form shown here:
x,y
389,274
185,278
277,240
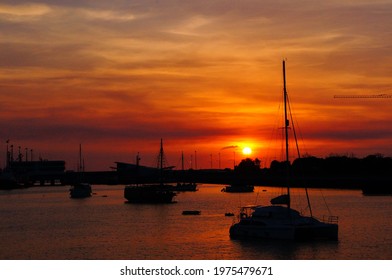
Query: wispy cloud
x,y
229,147
23,12
193,71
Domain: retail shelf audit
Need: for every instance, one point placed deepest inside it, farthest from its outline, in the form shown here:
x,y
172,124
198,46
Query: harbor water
x,y
43,223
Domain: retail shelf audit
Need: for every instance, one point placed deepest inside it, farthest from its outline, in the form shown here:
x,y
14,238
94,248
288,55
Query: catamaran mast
x,y
286,126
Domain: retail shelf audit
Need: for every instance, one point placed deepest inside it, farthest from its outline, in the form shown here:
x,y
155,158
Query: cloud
x,y
191,70
23,12
230,147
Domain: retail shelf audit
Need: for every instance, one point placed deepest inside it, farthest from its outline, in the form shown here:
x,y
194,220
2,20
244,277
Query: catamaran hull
x,y
319,232
238,231
285,232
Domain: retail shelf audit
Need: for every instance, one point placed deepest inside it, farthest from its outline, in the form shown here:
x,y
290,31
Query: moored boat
x,y
191,212
377,186
185,187
153,193
238,188
80,190
377,190
279,220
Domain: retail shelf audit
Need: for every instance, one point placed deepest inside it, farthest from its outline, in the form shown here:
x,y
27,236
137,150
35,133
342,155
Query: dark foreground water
x,y
44,223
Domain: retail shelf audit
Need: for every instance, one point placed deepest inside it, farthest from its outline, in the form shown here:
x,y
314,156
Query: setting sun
x,y
246,151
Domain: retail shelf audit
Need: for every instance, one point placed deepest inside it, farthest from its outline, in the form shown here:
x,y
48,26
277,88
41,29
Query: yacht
x,y
151,193
279,220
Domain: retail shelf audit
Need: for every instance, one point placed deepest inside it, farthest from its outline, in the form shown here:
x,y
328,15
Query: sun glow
x,y
246,151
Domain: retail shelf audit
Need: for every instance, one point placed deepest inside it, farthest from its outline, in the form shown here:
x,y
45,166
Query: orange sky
x,y
117,76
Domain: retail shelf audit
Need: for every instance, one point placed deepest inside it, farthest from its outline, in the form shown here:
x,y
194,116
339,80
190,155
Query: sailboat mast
x,y
182,161
81,167
161,161
286,126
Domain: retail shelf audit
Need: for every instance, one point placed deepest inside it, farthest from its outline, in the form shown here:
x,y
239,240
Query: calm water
x,y
44,223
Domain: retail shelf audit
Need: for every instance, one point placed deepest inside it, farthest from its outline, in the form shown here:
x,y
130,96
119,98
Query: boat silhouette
x,y
279,220
80,189
238,188
151,193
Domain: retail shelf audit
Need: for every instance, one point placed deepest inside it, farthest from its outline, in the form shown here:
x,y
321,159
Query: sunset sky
x,y
206,76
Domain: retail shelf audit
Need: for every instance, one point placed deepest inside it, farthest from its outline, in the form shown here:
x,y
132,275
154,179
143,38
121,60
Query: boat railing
x,y
330,219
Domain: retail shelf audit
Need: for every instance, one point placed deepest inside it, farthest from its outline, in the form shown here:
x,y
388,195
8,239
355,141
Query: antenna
x,y
364,96
380,95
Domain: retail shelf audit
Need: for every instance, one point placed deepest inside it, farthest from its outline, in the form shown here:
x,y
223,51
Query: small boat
x,y
279,220
238,188
229,214
80,190
185,187
191,212
377,190
154,193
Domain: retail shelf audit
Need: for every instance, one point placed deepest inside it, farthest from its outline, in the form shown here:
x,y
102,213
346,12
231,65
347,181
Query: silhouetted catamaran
x,y
282,222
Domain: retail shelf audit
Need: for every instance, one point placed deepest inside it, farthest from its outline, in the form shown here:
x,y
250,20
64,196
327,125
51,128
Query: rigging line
x,y
272,152
298,153
325,202
257,196
179,162
282,134
294,130
299,156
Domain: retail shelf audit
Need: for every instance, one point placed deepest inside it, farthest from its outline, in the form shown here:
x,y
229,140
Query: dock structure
x,y
42,172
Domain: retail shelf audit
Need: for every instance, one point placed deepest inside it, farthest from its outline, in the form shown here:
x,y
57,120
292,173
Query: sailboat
x,y
151,193
185,186
80,189
279,220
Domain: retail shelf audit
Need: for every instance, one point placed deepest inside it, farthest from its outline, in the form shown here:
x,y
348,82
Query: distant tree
x,y
279,168
309,165
377,164
247,166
